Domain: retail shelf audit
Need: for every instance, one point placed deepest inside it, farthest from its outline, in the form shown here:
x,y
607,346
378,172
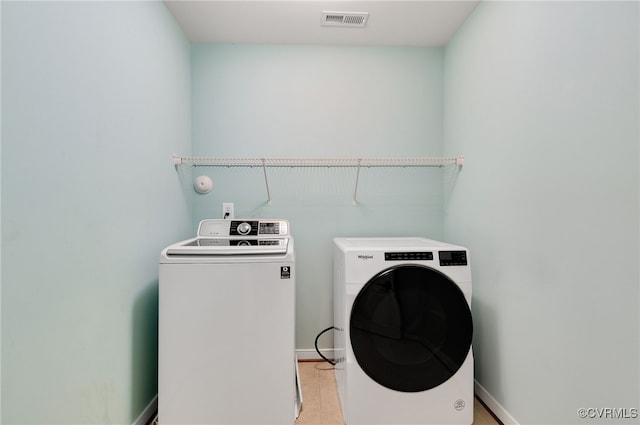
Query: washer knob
x,y
244,228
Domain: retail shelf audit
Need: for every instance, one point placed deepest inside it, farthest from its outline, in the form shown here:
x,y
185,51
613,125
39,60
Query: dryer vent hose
x,y
316,345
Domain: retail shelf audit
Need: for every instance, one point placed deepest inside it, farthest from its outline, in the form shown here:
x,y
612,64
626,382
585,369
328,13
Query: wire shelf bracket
x,y
357,163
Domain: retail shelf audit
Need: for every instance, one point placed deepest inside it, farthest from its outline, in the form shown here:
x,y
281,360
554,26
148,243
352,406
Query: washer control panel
x,y
239,227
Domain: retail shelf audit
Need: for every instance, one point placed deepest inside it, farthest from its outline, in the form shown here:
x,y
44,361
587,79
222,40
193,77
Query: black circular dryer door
x,y
410,328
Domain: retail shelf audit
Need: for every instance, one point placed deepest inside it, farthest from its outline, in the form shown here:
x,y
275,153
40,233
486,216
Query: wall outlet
x,y
227,210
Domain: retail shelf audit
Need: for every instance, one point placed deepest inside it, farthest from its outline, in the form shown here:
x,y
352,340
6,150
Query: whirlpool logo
x,y
365,257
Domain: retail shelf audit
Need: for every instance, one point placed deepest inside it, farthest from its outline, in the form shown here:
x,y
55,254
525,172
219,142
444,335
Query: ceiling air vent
x,y
344,19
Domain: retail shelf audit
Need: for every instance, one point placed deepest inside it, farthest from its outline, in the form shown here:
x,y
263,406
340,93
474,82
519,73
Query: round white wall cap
x,y
203,184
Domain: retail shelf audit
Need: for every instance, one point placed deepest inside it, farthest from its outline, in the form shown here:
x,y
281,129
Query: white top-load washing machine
x,y
403,331
227,326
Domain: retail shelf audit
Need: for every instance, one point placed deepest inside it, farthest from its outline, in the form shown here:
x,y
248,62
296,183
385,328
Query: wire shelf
x,y
358,163
318,162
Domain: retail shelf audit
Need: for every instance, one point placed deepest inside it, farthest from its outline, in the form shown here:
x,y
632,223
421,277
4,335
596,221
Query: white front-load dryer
x,y
402,313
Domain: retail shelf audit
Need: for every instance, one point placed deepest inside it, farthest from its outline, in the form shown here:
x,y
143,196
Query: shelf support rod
x,y
355,191
266,181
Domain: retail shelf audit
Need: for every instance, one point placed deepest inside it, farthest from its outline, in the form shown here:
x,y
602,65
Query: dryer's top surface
x,y
385,243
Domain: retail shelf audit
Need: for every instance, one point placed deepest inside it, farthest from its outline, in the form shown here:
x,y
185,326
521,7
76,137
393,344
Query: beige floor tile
x,y
310,413
321,404
481,415
331,411
320,398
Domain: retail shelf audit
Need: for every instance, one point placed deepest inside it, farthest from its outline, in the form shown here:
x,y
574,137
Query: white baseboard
x,y
311,354
493,405
148,413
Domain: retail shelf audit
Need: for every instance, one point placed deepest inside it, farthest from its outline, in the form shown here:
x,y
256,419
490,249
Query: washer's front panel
x,y
226,343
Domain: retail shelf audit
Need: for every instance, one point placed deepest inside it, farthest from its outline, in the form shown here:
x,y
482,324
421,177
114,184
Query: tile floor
x,y
321,405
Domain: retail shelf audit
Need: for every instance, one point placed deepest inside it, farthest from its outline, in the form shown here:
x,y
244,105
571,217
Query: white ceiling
x,y
390,23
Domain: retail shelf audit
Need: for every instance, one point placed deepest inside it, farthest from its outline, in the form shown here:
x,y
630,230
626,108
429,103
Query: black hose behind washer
x,y
318,350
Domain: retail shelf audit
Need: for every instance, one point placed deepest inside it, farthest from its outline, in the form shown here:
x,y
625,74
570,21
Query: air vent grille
x,y
344,19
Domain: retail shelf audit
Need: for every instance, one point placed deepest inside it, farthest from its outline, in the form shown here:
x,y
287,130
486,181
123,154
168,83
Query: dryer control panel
x,y
453,258
447,258
405,256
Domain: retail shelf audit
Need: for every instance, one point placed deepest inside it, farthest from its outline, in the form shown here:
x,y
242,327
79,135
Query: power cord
x,y
318,350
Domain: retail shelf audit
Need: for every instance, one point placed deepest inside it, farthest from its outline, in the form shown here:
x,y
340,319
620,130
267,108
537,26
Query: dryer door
x,y
410,328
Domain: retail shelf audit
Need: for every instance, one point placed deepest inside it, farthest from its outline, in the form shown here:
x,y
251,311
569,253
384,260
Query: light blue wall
x,y
304,101
542,98
95,99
